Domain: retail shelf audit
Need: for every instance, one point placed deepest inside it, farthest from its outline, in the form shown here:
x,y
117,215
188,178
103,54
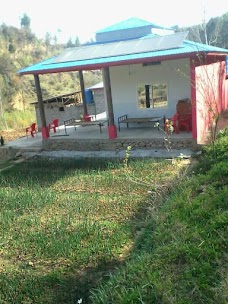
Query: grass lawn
x,y
100,232
66,223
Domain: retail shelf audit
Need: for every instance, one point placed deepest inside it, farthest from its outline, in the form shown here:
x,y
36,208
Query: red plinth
x,y
45,132
86,117
112,132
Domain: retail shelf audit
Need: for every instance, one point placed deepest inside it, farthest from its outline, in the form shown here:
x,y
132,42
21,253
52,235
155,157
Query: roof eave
x,y
108,64
99,66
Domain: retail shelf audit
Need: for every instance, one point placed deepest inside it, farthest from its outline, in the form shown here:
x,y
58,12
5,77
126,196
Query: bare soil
x,y
9,135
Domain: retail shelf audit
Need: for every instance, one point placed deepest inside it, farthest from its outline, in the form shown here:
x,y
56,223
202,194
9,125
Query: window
x,y
152,96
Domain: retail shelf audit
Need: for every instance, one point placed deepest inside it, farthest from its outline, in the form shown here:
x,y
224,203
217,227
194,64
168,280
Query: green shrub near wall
x,y
17,119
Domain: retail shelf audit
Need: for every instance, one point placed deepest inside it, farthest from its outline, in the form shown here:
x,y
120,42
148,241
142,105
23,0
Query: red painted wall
x,y
193,97
225,95
211,96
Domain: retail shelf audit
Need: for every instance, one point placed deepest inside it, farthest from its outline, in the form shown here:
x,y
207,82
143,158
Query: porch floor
x,y
83,137
93,132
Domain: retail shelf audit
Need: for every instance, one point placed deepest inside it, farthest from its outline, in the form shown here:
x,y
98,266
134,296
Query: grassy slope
x,y
65,225
65,222
181,255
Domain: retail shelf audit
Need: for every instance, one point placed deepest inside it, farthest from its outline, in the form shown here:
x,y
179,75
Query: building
x,y
147,73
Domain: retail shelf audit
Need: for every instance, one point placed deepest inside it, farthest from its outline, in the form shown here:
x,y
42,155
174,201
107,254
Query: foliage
x,y
25,21
218,151
21,48
127,156
168,131
214,32
16,120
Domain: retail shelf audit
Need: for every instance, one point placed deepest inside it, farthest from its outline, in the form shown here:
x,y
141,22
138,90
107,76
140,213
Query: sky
x,y
70,18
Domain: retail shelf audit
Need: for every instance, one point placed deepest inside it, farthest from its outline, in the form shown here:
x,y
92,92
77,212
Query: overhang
x,y
76,61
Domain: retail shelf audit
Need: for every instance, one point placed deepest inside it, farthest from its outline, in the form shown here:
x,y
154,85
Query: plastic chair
x,y
185,121
173,121
54,125
31,130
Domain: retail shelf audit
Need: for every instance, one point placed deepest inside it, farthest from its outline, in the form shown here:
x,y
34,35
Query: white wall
x,y
52,111
125,79
99,100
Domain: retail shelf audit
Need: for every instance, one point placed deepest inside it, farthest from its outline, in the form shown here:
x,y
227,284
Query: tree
x,y
11,48
69,43
55,39
47,41
214,32
207,33
217,31
77,42
25,21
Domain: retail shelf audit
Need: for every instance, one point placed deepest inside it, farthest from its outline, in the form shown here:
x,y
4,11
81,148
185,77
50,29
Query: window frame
x,y
148,89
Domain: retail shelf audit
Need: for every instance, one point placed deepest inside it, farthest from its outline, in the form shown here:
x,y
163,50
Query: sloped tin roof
x,y
68,60
99,85
134,46
126,24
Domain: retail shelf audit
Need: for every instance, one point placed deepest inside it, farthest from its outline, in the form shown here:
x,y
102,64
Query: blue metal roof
x,y
51,66
129,23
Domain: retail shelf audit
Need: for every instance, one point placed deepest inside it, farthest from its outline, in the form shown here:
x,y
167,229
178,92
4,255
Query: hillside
x,y
214,32
21,48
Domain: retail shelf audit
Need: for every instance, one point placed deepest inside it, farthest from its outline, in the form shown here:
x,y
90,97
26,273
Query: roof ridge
x,y
132,22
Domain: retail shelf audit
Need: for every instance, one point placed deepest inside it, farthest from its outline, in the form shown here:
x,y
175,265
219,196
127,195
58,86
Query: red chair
x,y
173,122
54,125
31,130
185,121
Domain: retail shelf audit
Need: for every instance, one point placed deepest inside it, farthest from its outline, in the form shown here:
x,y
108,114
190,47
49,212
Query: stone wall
x,y
115,144
7,153
99,100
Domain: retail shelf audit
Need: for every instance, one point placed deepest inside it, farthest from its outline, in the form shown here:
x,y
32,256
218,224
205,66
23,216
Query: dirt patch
x,y
9,135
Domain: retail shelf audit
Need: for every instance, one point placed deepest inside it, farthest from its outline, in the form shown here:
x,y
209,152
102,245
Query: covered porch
x,y
90,138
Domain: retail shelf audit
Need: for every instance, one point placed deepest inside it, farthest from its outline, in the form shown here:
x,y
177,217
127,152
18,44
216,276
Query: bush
x,y
16,120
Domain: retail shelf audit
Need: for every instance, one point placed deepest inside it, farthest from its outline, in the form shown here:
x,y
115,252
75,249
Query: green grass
x,y
65,223
181,255
94,230
17,119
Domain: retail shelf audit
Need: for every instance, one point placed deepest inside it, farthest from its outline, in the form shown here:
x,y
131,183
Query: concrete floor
x,y
32,147
93,132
